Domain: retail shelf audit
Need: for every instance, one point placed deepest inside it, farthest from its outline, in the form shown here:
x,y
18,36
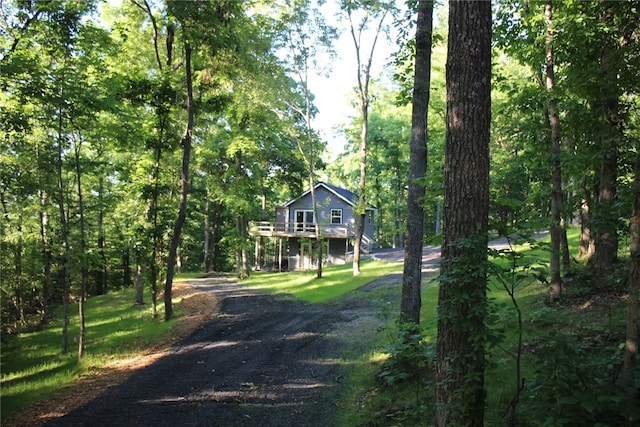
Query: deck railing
x,y
300,229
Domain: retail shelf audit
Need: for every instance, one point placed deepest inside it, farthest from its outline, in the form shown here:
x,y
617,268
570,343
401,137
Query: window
x,y
336,216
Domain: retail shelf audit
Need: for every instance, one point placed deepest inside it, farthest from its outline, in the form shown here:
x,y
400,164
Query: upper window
x,y
336,216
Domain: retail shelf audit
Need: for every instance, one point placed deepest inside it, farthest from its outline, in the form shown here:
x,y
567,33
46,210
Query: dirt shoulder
x,y
239,358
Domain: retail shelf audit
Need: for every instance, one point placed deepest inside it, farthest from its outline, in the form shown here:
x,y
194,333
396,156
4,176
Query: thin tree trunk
x,y
83,259
47,283
363,76
412,277
101,275
214,231
64,234
555,282
362,202
207,233
139,284
242,260
154,262
565,256
586,241
184,187
462,302
18,290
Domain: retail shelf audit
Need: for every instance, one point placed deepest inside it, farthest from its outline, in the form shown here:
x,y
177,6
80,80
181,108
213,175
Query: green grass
x,y
33,367
368,402
32,364
336,280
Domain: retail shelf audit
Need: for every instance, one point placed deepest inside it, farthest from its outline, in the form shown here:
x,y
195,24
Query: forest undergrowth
x,y
549,361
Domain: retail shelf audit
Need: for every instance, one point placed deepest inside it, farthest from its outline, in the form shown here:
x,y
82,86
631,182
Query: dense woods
x,y
140,137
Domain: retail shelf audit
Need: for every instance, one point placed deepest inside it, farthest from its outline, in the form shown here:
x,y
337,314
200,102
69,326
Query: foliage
x,y
563,392
410,357
114,86
585,356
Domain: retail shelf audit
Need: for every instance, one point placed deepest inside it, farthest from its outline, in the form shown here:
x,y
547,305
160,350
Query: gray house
x,y
294,227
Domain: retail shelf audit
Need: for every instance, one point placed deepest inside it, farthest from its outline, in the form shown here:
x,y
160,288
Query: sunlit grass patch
x,y
335,281
33,365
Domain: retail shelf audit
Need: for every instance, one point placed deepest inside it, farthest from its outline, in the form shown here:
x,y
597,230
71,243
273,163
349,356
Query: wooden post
x,y
280,254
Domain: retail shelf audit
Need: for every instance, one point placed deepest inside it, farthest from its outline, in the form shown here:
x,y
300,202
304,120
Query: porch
x,y
301,229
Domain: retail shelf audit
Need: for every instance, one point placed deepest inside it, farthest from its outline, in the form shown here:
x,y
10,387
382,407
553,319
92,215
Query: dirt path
x,y
264,360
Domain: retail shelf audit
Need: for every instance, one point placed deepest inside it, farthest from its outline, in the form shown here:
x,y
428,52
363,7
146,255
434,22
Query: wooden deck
x,y
300,229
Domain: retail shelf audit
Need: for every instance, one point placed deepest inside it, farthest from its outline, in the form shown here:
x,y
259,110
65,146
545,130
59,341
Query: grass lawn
x,y
561,341
336,280
33,367
32,364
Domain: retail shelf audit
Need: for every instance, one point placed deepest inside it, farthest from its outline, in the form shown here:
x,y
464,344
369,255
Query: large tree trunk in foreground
x,y
412,277
460,363
631,344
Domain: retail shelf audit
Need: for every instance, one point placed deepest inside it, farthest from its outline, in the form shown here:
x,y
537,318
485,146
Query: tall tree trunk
x,y
101,274
587,247
555,282
242,260
18,290
631,345
207,233
47,282
605,215
214,231
412,277
83,256
47,257
606,238
157,250
565,256
460,359
363,76
64,235
362,202
184,186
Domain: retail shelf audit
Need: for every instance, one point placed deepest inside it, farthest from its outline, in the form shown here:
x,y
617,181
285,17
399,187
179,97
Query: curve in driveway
x,y
265,361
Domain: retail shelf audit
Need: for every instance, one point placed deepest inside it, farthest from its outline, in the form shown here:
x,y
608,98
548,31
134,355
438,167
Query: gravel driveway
x,y
265,361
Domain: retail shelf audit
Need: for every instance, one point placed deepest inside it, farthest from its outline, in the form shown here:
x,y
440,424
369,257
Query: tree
x,y
606,104
221,16
412,277
555,282
371,11
307,34
62,39
632,342
462,295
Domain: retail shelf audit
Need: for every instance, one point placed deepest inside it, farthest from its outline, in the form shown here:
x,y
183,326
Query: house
x,y
294,228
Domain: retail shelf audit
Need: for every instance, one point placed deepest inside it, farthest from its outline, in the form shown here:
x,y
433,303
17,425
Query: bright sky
x,y
334,94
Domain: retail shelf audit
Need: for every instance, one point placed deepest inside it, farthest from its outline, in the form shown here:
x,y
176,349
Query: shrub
x,y
573,385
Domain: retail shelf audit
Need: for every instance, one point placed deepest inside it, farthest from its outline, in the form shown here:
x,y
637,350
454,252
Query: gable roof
x,y
342,193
